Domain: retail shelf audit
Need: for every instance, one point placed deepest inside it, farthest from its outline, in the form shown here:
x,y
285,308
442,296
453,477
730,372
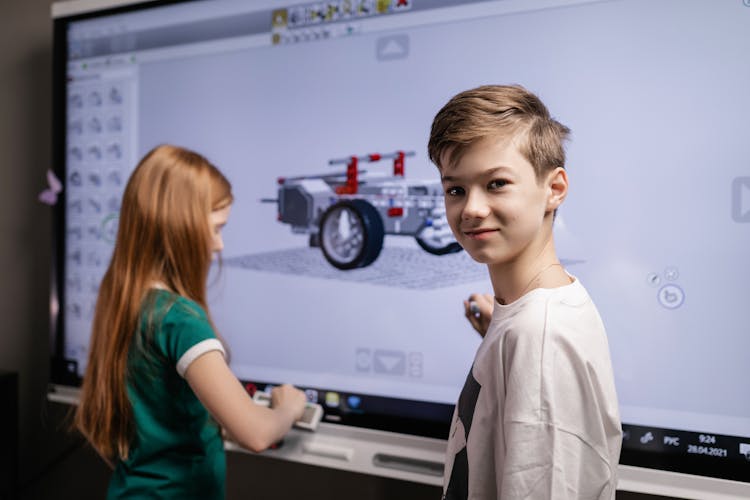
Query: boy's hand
x,y
289,398
478,310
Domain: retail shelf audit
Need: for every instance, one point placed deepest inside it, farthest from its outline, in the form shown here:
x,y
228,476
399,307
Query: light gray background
x,y
655,107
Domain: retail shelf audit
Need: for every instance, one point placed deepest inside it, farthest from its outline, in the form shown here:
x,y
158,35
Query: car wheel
x,y
351,234
437,241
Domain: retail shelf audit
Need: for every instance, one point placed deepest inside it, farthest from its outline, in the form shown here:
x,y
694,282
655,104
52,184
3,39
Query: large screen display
x,y
339,272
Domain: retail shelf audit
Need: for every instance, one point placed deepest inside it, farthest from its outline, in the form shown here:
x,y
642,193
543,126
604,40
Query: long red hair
x,y
163,236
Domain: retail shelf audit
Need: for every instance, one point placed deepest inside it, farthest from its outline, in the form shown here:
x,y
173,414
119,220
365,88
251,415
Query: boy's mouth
x,y
479,234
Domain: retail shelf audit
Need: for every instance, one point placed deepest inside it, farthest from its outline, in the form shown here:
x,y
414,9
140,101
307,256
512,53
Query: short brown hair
x,y
497,111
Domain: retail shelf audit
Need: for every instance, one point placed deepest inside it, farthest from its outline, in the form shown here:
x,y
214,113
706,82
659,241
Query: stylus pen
x,y
474,308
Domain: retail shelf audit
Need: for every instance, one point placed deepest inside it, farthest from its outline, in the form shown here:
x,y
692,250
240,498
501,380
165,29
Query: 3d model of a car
x,y
347,214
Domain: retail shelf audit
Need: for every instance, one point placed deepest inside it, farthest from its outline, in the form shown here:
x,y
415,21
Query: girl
x,y
156,372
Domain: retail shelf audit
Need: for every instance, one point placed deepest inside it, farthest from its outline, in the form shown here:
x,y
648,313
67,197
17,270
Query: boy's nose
x,y
476,206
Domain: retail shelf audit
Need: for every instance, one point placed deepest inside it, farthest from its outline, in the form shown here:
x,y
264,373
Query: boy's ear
x,y
557,187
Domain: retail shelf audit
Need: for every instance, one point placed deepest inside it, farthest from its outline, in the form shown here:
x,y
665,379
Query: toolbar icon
x,y
353,402
672,440
415,364
389,362
332,399
363,359
653,279
311,395
392,47
671,296
671,273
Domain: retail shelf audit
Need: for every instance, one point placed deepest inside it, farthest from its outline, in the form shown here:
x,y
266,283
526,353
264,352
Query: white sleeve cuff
x,y
197,351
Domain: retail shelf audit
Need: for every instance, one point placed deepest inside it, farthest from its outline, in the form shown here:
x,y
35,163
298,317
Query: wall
x,y
25,130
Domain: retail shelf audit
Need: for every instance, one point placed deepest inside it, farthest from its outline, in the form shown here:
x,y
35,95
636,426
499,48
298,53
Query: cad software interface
x,y
656,225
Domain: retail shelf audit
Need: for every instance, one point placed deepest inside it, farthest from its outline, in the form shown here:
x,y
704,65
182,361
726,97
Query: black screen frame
x,y
384,414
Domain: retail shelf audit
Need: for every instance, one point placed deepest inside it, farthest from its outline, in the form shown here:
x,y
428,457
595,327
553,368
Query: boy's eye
x,y
454,191
497,184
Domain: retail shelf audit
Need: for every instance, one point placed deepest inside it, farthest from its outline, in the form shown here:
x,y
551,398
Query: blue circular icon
x,y
671,296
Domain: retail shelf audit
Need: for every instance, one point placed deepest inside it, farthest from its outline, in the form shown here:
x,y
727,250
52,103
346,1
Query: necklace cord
x,y
526,289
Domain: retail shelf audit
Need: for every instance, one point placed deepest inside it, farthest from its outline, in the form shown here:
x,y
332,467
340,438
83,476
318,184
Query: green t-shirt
x,y
177,451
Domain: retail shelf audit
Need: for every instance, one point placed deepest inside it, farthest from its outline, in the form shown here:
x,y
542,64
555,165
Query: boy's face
x,y
495,205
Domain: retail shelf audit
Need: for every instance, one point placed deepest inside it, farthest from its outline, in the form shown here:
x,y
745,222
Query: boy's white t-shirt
x,y
538,416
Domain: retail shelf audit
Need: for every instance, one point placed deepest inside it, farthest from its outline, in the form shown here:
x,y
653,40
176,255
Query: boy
x,y
537,417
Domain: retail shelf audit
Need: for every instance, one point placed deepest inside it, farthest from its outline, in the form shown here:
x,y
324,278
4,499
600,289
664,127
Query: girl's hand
x,y
478,310
289,399
249,424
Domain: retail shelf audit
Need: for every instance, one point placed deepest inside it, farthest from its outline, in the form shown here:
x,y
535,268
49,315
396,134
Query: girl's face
x,y
216,222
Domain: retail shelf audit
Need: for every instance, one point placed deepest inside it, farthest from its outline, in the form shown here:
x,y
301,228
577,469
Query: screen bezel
x,y
63,372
